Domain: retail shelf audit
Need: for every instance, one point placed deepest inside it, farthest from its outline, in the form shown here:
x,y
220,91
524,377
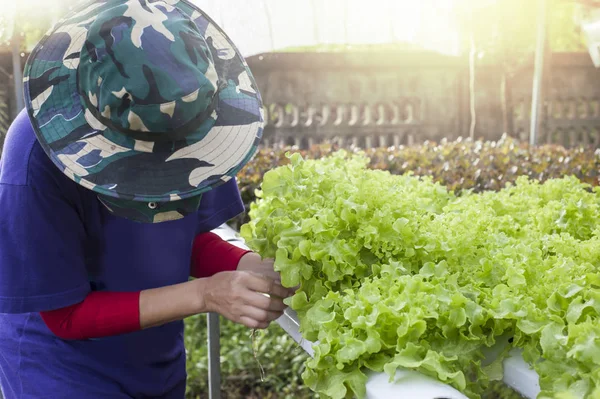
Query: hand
x,y
254,263
244,297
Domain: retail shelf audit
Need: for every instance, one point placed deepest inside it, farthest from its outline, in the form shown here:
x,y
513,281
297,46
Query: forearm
x,y
211,255
100,314
167,304
105,314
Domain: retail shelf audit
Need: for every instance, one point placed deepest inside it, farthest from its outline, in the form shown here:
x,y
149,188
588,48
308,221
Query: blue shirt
x,y
58,243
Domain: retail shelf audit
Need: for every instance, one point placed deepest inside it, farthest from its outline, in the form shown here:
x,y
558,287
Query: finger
x,y
261,315
265,302
267,274
276,305
270,269
258,282
271,275
261,302
268,263
288,291
251,323
267,286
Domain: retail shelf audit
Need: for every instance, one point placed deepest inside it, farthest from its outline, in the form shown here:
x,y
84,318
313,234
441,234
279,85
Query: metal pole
x,y
214,356
17,73
270,24
316,31
538,78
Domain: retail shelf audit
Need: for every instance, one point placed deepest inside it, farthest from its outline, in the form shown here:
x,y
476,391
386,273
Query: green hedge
x,y
460,165
281,359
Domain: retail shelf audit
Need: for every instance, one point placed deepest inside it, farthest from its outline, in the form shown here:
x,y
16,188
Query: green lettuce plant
x,y
398,271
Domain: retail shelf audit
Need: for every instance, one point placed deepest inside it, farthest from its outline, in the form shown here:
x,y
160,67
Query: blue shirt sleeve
x,y
219,205
42,236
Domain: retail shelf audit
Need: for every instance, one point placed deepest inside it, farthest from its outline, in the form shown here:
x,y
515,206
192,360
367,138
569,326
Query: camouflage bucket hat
x,y
148,103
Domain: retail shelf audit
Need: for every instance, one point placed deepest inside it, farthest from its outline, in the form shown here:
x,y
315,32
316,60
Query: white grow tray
x,y
407,383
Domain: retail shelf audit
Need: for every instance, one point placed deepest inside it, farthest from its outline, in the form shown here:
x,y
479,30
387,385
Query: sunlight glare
x,y
429,24
38,5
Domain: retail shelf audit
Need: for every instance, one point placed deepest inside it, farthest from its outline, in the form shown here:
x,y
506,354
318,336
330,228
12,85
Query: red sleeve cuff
x,y
211,255
101,314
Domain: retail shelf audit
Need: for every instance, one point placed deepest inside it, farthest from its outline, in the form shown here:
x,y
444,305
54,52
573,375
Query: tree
x,y
504,33
22,24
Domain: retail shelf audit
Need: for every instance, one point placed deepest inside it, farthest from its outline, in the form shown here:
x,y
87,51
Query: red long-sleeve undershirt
x,y
106,313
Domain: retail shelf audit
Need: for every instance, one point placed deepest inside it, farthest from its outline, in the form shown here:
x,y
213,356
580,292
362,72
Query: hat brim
x,y
98,158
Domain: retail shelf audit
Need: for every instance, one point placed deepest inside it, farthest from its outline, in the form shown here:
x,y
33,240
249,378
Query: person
x,y
139,115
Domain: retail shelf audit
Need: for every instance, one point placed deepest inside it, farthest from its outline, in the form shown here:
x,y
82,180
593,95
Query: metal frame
x,y
214,356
